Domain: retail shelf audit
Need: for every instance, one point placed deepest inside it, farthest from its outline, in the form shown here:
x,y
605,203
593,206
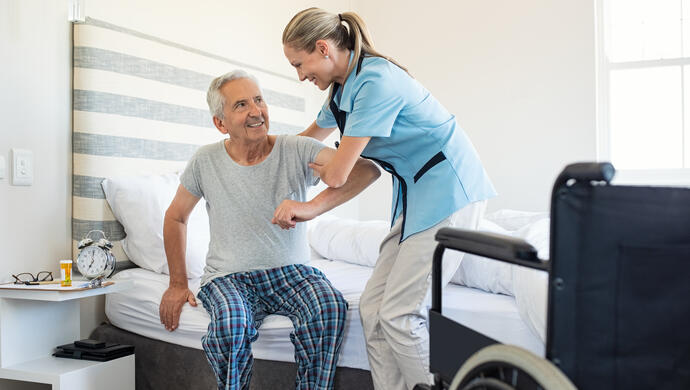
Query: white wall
x,y
519,76
35,104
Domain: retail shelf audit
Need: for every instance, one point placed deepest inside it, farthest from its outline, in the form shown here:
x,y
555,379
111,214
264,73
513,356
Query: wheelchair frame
x,y
448,353
663,221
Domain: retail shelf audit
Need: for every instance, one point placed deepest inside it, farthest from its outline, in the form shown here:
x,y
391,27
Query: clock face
x,y
92,261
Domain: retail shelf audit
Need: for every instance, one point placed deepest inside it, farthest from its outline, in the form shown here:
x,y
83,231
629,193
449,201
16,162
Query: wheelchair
x,y
618,314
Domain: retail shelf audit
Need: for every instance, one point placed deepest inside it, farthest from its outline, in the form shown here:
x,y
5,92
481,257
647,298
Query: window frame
x,y
669,176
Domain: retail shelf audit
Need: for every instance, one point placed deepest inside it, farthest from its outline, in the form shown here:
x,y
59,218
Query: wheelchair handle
x,y
586,171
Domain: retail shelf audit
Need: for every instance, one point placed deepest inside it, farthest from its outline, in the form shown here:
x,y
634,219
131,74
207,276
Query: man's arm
x,y
289,212
175,240
314,131
335,171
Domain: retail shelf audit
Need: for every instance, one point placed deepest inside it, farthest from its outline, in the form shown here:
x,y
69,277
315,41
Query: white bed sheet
x,y
136,310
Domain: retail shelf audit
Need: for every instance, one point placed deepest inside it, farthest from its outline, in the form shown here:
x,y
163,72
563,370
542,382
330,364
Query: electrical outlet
x,y
22,167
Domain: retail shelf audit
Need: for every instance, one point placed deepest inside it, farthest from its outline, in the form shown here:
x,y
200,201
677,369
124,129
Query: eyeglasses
x,y
28,277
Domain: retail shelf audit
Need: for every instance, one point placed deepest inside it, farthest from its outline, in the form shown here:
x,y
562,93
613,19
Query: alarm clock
x,y
95,258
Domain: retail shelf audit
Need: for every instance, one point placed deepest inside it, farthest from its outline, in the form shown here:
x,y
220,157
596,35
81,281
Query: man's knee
x,y
330,305
334,304
233,319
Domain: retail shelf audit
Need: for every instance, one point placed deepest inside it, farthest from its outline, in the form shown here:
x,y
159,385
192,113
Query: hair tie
x,y
340,17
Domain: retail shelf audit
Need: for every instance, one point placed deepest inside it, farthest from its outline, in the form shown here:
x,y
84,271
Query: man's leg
x,y
384,369
318,312
228,341
404,309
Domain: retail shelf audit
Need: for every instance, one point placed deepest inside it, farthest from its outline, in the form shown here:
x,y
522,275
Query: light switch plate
x,y
2,167
22,167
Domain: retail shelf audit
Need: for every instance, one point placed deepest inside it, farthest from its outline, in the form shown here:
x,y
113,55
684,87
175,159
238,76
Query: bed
x,y
481,296
139,113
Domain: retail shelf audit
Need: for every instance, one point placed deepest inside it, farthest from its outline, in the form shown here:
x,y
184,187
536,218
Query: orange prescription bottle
x,y
66,273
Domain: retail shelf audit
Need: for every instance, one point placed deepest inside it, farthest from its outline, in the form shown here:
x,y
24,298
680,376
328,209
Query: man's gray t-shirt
x,y
241,200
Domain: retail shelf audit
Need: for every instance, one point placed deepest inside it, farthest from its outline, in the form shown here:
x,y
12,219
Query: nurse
x,y
385,115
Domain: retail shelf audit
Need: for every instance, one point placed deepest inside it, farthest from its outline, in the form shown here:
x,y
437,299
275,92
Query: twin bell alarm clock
x,y
95,259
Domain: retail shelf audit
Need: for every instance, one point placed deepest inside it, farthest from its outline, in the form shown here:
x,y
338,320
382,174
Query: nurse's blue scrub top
x,y
436,170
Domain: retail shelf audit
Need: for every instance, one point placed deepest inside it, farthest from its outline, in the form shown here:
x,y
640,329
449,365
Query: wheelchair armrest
x,y
490,245
495,246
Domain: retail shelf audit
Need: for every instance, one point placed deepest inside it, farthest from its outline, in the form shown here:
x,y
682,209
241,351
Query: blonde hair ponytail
x,y
312,24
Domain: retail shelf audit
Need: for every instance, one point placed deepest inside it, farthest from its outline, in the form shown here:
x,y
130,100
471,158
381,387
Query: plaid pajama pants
x,y
237,303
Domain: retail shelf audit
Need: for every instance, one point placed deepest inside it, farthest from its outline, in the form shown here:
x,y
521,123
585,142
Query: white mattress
x,y
136,310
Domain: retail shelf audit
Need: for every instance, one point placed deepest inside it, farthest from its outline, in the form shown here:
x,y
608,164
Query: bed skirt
x,y
162,365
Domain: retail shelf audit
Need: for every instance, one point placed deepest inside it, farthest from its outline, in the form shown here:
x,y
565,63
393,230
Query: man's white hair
x,y
215,99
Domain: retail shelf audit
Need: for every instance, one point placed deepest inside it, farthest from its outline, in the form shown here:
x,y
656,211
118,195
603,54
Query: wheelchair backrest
x,y
619,286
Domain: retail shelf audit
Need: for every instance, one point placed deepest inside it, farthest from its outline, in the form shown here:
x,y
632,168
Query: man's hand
x,y
289,212
171,306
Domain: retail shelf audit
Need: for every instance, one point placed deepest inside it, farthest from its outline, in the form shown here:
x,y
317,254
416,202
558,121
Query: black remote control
x,y
88,343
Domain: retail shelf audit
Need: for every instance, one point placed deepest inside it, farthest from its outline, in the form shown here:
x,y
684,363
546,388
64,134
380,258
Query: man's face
x,y
246,113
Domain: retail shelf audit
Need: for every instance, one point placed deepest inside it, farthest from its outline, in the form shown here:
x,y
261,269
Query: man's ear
x,y
219,125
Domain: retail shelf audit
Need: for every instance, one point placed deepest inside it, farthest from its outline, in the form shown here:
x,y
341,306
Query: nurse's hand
x,y
289,212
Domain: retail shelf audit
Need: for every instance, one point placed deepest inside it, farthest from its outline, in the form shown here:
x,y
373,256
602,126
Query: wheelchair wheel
x,y
507,367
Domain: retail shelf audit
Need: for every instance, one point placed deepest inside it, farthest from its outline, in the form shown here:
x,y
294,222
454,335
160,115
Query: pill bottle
x,y
66,273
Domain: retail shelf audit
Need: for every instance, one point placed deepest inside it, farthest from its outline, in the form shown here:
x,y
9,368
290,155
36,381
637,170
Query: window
x,y
644,86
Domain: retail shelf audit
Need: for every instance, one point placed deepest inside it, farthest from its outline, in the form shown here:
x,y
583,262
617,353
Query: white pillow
x,y
482,273
497,276
531,286
515,219
528,286
139,203
348,240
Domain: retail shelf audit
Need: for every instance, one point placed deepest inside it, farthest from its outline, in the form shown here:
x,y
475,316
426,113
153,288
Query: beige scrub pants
x,y
394,306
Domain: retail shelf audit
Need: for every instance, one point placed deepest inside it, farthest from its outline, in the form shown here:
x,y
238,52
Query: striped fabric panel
x,y
139,107
93,58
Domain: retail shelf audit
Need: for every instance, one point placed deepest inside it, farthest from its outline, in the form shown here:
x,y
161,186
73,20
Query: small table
x,y
34,322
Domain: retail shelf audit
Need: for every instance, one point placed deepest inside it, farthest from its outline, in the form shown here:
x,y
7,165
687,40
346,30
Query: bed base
x,y
162,365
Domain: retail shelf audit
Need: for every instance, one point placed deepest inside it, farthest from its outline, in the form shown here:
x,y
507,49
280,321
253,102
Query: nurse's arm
x,y
317,132
290,212
336,171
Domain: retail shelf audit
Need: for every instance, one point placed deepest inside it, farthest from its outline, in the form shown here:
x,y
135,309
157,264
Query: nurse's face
x,y
313,66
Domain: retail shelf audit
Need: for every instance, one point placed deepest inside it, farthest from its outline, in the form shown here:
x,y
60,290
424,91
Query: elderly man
x,y
255,188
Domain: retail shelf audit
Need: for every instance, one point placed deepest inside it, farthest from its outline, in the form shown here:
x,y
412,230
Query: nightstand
x,y
33,323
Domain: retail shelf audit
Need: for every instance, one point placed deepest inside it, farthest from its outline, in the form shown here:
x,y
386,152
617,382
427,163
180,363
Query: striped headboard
x,y
139,107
